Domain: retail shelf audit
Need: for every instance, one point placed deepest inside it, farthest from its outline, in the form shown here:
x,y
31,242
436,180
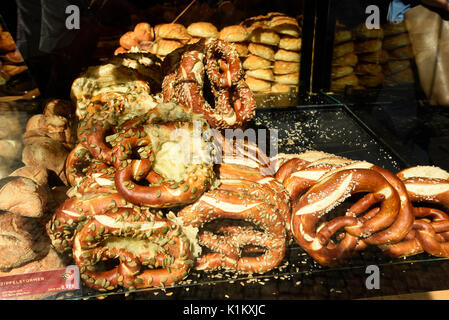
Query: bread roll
x,y
202,30
403,77
286,55
235,33
264,36
6,42
53,126
341,83
10,150
171,31
254,62
379,57
144,32
362,32
284,67
21,240
349,59
343,48
394,28
163,47
289,78
13,70
281,88
396,66
242,49
405,52
37,174
263,74
289,43
368,46
371,81
368,68
342,35
258,85
128,40
397,41
285,25
261,50
338,72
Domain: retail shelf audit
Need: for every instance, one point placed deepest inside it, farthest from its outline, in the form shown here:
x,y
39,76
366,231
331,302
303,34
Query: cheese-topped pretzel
x,y
152,252
169,157
324,196
269,231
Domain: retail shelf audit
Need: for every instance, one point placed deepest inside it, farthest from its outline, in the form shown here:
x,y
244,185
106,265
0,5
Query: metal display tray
x,y
331,128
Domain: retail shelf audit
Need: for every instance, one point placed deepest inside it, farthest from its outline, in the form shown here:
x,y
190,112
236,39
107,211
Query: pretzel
x,y
430,231
152,252
76,163
220,204
234,105
161,192
321,198
73,213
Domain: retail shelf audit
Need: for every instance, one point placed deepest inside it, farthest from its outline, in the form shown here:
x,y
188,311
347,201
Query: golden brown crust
x,y
235,33
258,85
349,59
172,31
287,55
394,66
264,36
254,62
281,88
342,49
202,30
405,52
371,81
289,78
338,72
368,68
284,67
242,49
342,35
290,43
341,83
380,57
362,32
261,50
143,32
396,41
263,74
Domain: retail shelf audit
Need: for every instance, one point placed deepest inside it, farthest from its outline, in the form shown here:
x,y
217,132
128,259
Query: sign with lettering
x,y
52,281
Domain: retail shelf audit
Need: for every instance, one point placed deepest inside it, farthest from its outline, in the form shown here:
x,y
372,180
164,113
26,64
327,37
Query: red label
x,y
52,281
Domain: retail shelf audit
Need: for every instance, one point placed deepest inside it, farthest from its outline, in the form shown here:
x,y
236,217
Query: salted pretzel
x,y
430,231
73,213
152,252
234,104
77,162
145,141
268,231
324,196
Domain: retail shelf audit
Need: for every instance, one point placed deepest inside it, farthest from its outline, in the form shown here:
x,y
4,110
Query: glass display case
x,y
321,162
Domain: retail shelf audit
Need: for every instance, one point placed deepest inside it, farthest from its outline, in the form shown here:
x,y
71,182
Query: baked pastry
x,y
343,48
289,78
281,88
263,74
264,36
338,72
405,52
234,33
394,28
202,30
163,47
368,46
287,55
371,81
261,50
368,68
173,31
7,43
258,85
242,49
349,59
290,43
341,83
379,57
342,35
254,62
10,150
405,76
396,41
394,66
285,25
284,67
143,32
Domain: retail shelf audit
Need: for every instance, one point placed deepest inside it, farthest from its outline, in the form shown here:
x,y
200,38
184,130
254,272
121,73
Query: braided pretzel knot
x,y
228,246
151,252
71,215
234,102
324,196
161,192
430,232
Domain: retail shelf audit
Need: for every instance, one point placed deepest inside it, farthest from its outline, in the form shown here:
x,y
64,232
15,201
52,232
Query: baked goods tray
x,y
331,128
